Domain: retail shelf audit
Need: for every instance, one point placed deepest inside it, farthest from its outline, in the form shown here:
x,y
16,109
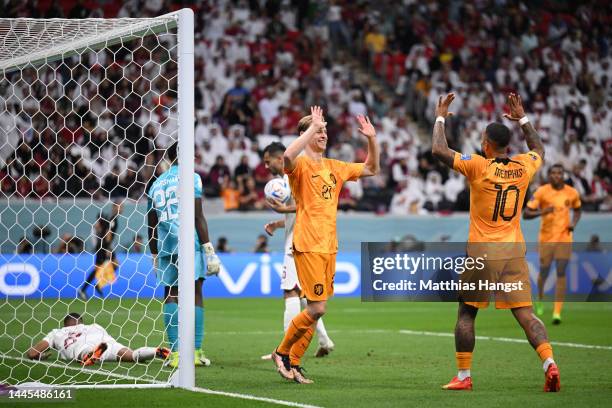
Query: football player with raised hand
x,y
274,161
498,184
316,183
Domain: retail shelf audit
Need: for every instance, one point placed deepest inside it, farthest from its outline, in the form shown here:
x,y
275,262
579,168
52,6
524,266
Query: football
x,y
277,189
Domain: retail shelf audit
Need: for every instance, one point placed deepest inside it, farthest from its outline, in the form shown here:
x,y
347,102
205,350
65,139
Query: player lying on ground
x,y
498,184
163,221
553,201
273,160
316,183
88,344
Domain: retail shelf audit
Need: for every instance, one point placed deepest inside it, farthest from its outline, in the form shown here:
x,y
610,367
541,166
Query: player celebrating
x,y
315,184
163,220
88,344
273,160
498,185
553,202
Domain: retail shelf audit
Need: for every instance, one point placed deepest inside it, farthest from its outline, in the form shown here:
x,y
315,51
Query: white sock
x,y
324,339
463,374
547,363
144,354
292,309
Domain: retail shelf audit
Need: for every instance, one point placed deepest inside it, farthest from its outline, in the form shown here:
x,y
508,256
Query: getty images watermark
x,y
420,271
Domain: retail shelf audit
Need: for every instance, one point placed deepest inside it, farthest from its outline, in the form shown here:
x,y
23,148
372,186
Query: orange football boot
x,y
553,381
458,385
94,356
162,352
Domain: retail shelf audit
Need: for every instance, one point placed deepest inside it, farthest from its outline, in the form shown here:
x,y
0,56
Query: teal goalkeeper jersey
x,y
162,197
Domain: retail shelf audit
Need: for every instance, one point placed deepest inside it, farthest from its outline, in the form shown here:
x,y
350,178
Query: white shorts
x,y
112,352
289,280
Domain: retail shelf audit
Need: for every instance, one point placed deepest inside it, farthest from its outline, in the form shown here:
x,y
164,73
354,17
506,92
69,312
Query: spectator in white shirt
x,y
409,200
202,132
217,139
453,186
434,190
269,108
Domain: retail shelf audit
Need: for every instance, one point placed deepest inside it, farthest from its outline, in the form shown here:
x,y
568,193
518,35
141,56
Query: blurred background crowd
x,y
99,132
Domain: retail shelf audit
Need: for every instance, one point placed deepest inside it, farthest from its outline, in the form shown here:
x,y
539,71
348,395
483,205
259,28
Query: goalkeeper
x,y
105,262
163,220
89,344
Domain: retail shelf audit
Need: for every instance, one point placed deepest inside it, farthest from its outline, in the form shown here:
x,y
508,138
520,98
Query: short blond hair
x,y
304,123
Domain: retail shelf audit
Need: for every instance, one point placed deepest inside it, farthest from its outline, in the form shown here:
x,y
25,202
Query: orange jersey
x,y
554,226
315,186
497,191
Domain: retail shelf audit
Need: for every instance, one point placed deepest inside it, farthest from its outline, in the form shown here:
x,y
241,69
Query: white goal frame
x,y
184,21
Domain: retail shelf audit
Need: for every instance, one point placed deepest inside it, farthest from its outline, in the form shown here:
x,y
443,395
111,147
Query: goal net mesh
x,y
87,110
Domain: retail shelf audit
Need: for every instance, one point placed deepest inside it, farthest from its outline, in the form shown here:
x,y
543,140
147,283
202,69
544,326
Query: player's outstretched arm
x,y
372,163
296,147
439,145
517,114
37,351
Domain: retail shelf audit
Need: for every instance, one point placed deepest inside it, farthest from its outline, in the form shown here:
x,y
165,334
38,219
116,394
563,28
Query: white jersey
x,y
289,220
73,341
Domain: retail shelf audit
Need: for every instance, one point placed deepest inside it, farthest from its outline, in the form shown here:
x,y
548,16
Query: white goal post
x,y
61,82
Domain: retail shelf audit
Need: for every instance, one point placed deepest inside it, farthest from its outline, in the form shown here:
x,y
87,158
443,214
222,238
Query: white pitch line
x,y
508,340
280,332
155,382
81,369
254,398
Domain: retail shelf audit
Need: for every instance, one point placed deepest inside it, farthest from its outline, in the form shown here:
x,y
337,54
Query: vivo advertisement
x,y
247,275
244,275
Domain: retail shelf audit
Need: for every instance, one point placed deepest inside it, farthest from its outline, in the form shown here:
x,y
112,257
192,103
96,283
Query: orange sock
x,y
557,308
298,326
464,360
299,347
545,351
559,294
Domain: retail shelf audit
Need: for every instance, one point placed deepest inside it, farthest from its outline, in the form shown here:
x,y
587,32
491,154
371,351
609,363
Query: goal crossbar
x,y
93,34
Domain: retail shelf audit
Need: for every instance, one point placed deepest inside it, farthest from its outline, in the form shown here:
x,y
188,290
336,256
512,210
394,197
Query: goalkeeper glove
x,y
213,263
154,261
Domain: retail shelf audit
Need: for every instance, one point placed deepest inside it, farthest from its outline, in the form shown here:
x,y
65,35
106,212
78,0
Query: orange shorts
x,y
316,272
503,271
554,250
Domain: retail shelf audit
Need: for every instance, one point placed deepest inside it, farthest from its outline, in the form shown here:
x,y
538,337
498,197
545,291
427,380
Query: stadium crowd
x,y
260,64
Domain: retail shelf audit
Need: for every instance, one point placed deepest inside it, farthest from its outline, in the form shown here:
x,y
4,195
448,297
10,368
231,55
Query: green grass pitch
x,y
374,364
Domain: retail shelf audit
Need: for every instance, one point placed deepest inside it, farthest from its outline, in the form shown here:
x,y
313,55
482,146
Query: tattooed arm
x,y
439,145
517,112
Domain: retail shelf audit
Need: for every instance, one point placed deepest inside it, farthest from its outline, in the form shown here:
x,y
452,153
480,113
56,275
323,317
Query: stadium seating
x,y
263,75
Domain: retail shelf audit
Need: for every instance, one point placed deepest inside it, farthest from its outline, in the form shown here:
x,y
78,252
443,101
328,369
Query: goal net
x,y
87,110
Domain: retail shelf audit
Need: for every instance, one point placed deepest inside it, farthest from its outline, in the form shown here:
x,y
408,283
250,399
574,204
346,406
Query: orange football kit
x,y
497,191
555,236
316,187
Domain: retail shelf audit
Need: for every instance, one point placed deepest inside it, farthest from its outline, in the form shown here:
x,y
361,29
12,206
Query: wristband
x,y
208,248
523,120
440,119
